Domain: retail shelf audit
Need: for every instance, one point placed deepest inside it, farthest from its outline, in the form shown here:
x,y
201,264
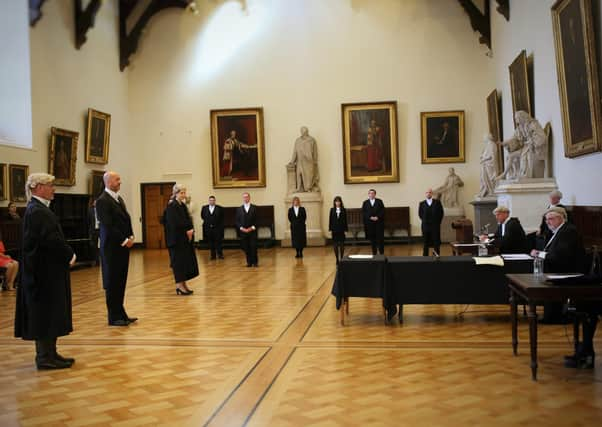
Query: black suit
x,y
374,230
213,229
298,231
43,308
544,231
182,255
514,240
337,225
115,228
93,232
248,241
431,217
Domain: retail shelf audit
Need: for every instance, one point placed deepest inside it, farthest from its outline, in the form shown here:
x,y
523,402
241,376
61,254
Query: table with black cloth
x,y
448,280
358,277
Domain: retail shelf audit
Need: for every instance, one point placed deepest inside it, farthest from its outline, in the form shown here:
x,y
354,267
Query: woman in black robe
x,y
297,217
337,225
179,235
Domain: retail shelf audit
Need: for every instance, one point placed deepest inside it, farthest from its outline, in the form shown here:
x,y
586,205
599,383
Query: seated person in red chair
x,y
11,266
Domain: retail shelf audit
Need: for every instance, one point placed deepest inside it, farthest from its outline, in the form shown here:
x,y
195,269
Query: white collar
x,y
112,193
42,200
429,201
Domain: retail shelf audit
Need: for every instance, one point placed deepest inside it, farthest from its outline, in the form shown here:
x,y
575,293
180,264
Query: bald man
x,y
116,239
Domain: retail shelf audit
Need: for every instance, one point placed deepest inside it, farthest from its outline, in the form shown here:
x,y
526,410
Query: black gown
x,y
298,231
182,255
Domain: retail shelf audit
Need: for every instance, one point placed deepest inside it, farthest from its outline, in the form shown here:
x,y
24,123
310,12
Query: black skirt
x,y
183,262
338,236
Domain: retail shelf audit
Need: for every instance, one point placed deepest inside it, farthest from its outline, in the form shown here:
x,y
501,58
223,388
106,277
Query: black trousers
x,y
115,273
378,245
248,243
214,238
339,249
45,349
432,238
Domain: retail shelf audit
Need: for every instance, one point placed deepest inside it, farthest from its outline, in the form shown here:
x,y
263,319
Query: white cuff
x,y
542,254
253,227
125,242
73,258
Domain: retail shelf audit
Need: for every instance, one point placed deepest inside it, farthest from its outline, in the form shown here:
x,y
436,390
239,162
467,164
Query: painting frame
x,y
370,142
238,163
62,161
15,171
520,89
433,133
581,117
494,120
3,181
98,136
96,185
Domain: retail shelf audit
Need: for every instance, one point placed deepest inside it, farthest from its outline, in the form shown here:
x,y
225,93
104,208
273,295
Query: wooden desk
x,y
535,290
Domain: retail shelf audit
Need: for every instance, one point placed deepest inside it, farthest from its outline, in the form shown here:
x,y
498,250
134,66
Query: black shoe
x,y
249,265
182,292
581,361
212,258
120,322
220,256
52,364
132,319
391,312
255,265
69,360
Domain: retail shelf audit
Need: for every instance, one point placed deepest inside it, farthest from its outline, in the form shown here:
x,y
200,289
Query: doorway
x,y
154,199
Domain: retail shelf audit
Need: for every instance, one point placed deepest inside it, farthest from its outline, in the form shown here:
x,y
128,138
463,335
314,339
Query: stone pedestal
x,y
448,234
483,213
312,202
526,198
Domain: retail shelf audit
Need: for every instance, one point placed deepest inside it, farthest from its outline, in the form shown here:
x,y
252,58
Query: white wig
x,y
36,179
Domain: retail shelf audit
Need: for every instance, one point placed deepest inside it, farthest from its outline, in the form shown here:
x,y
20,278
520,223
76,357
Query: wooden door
x,y
154,199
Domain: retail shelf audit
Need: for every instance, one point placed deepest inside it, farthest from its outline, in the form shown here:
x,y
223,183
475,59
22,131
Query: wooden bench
x,y
266,231
397,219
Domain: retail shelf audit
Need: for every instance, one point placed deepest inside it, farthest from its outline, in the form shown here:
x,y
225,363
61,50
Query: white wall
x,y
299,60
15,89
530,28
65,82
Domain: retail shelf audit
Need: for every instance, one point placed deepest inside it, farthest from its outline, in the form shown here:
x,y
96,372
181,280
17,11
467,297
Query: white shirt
x,y
246,206
338,211
112,194
211,209
542,254
371,202
504,226
42,200
429,201
296,209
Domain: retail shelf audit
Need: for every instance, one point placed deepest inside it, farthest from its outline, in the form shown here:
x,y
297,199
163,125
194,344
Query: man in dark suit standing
x,y
116,239
213,227
246,218
430,212
373,213
509,237
43,308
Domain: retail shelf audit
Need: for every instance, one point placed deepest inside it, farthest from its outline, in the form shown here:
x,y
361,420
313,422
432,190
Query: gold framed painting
x,y
18,177
575,47
519,84
3,181
370,151
97,185
442,136
98,132
237,148
63,156
495,125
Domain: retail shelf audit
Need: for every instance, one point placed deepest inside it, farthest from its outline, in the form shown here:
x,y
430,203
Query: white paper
x,y
467,244
492,260
360,256
562,276
516,256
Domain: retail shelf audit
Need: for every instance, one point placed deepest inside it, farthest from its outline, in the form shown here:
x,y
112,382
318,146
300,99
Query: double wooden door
x,y
154,200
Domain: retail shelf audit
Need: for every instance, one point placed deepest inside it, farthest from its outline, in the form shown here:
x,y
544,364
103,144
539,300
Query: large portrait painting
x,y
98,132
237,148
370,142
18,177
495,125
3,181
442,135
519,84
63,156
97,185
577,69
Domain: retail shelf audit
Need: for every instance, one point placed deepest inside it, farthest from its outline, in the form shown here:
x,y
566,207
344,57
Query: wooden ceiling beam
x,y
84,19
479,21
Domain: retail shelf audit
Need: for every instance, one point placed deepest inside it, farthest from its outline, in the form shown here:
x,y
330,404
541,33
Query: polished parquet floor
x,y
264,347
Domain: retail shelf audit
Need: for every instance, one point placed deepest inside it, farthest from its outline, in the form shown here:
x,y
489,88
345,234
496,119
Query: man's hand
x,y
130,242
483,237
190,233
72,262
534,253
374,218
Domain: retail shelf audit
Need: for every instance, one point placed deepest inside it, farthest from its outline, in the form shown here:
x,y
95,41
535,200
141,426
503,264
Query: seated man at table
x,y
509,237
563,253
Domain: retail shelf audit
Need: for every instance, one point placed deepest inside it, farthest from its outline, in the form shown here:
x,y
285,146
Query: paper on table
x,y
492,260
360,256
467,244
516,256
562,276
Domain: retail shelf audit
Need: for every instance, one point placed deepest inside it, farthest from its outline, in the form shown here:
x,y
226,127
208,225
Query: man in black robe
x,y
213,227
510,236
246,219
373,213
116,239
43,308
430,212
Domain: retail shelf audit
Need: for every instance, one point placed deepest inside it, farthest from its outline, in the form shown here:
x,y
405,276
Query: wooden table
x,y
534,290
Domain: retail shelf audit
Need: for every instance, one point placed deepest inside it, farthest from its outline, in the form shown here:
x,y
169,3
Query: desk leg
x,y
342,311
347,306
514,321
400,313
533,340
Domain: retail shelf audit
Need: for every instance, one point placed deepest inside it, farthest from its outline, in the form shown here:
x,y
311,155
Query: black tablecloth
x,y
359,277
448,280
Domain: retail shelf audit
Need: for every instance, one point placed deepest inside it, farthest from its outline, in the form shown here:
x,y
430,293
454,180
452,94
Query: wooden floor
x,y
263,347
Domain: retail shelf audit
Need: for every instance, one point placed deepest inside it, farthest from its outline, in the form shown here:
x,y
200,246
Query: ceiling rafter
x,y
479,21
84,19
503,7
35,11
